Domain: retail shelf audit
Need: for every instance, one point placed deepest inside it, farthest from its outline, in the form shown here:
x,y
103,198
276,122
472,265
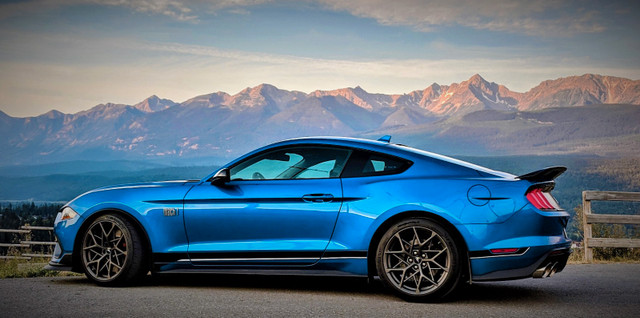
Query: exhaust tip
x,y
546,271
539,273
554,269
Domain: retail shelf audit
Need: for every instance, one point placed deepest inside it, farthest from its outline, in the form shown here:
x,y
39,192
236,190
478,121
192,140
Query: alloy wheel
x,y
417,260
105,249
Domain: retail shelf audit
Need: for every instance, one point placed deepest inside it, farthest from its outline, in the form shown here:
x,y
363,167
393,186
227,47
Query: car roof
x,y
388,148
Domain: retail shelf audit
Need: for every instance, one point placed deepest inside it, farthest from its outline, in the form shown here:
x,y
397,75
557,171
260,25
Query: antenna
x,y
385,138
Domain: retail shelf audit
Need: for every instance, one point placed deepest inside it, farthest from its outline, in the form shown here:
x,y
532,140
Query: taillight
x,y
542,200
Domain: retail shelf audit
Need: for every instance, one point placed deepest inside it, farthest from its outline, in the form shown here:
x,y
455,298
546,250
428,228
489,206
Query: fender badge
x,y
170,211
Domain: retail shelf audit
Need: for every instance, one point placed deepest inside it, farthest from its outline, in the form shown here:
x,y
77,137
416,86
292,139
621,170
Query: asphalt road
x,y
611,290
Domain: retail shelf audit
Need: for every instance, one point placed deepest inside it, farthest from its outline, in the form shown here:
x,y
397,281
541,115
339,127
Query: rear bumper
x,y
541,261
554,263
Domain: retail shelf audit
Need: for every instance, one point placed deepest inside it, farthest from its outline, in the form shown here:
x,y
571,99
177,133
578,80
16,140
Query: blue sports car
x,y
423,223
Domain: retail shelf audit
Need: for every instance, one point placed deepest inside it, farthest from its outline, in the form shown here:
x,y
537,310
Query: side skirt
x,y
263,272
332,263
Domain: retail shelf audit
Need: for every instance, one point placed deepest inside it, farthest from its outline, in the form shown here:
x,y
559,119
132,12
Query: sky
x,y
70,55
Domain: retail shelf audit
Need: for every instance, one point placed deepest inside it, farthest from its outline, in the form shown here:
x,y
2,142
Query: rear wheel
x,y
112,251
419,260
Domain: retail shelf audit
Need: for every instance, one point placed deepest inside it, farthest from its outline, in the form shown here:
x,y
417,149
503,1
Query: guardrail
x,y
26,242
589,218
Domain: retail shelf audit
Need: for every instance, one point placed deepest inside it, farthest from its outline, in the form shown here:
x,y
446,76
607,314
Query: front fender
x,y
90,214
166,232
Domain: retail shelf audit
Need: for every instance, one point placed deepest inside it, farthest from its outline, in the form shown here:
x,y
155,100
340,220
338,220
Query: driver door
x,y
279,208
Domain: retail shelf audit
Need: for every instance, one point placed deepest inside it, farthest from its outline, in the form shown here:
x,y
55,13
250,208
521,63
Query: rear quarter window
x,y
363,164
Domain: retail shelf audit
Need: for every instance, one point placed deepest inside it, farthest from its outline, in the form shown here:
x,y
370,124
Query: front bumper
x,y
60,261
65,232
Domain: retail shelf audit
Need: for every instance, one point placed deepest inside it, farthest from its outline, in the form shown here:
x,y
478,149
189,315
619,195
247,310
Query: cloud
x,y
180,10
177,10
224,4
178,72
520,72
532,17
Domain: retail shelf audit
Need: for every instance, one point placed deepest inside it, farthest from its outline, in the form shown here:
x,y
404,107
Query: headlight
x,y
66,214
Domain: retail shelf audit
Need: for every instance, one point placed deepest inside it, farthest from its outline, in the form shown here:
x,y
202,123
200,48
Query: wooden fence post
x,y
588,219
586,210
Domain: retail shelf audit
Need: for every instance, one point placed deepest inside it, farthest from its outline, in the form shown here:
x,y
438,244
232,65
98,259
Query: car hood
x,y
132,194
156,184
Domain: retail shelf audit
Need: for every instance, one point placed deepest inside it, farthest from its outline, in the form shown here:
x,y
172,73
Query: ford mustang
x,y
421,222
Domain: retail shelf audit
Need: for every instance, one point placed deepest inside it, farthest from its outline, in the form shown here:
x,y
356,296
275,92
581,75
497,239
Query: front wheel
x,y
112,252
419,260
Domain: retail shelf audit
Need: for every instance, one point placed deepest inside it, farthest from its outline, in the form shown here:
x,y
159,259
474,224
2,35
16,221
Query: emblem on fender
x,y
169,211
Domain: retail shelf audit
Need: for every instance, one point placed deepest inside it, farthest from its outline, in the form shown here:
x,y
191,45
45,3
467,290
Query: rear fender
x,y
409,210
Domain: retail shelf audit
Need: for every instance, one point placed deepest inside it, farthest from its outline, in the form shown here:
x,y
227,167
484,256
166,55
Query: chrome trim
x,y
249,259
268,259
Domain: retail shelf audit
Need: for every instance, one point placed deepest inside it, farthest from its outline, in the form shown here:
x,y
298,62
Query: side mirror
x,y
221,177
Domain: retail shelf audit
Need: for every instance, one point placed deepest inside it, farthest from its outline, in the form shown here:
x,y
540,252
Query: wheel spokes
x,y
104,250
416,260
404,245
438,265
416,238
433,234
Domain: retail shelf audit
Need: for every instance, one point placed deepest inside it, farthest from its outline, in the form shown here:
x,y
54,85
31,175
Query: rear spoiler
x,y
547,174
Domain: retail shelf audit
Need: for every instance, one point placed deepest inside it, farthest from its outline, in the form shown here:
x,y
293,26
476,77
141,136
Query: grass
x,y
13,268
577,257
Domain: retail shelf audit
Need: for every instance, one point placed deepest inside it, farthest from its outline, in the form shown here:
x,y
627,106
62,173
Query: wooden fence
x,y
589,218
25,242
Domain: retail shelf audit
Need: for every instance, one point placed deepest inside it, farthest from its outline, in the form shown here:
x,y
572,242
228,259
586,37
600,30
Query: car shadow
x,y
492,292
475,293
269,282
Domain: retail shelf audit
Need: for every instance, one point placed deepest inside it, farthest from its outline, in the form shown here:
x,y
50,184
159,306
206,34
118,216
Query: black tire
x,y
426,269
112,253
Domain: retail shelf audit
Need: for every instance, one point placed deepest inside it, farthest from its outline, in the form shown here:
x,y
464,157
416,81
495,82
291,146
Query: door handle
x,y
317,197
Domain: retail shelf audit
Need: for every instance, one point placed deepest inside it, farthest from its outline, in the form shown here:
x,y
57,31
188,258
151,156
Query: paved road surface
x,y
611,290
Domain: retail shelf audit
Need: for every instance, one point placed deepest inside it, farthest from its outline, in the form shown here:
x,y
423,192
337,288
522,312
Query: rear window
x,y
362,164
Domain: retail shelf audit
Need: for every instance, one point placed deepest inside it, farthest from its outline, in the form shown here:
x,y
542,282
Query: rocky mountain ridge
x,y
222,125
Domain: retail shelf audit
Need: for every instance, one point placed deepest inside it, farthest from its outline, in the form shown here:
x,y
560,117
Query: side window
x,y
320,170
364,164
269,166
300,162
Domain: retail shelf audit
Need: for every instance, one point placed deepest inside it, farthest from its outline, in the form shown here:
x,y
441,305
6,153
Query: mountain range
x,y
590,114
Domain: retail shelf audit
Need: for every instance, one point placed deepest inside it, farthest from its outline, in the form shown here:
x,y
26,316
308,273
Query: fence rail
x,y
36,228
27,243
37,243
589,219
14,231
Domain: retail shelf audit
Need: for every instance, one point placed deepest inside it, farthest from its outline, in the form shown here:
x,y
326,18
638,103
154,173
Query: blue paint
x,y
327,223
